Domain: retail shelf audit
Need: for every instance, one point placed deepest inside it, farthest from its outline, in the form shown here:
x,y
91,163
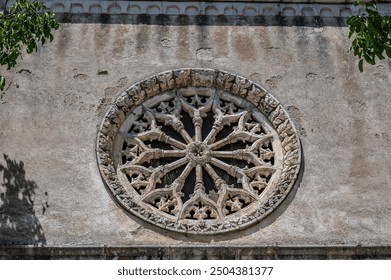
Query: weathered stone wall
x,y
51,189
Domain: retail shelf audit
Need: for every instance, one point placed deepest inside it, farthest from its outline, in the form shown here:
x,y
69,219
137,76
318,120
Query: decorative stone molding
x,y
213,8
198,151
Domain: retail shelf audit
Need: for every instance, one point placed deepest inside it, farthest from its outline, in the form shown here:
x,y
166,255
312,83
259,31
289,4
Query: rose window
x,y
198,151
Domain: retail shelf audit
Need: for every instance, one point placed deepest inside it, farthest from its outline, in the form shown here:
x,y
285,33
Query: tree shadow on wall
x,y
18,223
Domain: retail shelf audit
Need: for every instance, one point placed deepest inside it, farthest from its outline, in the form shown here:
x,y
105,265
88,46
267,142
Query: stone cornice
x,y
314,252
287,8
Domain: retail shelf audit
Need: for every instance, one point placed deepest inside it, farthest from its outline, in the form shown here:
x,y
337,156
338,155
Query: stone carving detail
x,y
198,151
314,8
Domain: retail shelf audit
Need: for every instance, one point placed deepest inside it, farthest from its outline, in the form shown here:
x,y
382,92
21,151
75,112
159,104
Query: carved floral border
x,y
219,80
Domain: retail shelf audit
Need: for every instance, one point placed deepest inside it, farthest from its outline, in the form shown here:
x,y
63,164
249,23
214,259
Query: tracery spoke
x,y
134,168
173,165
197,112
219,124
159,171
155,134
225,189
146,156
175,122
197,121
221,120
179,182
237,136
234,171
156,174
250,179
246,131
199,187
241,154
175,188
219,182
266,171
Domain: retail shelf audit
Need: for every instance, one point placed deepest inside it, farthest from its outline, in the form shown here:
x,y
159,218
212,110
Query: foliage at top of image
x,y
27,23
372,35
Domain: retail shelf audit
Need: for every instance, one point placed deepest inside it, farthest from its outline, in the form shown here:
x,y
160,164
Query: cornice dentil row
x,y
194,8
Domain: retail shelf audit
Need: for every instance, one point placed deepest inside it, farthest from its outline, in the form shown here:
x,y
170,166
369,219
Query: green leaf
x,y
380,55
360,65
28,23
371,35
2,83
370,5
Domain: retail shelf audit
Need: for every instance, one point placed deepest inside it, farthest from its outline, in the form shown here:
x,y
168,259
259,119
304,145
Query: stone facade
x,y
54,192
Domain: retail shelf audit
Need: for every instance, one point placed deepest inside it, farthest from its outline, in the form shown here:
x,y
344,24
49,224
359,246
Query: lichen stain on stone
x,y
349,85
353,96
240,22
322,47
62,39
301,45
273,81
220,38
244,47
80,76
205,54
296,115
380,76
121,41
101,37
359,164
167,42
383,136
25,72
84,30
142,38
256,77
71,99
109,93
330,79
102,72
86,34
264,39
182,47
311,76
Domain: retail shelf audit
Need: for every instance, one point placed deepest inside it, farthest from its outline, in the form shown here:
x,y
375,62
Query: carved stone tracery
x,y
198,151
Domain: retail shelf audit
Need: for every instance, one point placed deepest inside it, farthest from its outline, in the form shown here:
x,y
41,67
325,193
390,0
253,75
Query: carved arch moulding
x,y
198,151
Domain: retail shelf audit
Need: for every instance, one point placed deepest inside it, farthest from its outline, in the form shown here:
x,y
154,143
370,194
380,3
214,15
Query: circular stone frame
x,y
216,80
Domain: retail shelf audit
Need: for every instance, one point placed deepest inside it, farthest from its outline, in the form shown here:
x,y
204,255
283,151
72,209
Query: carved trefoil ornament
x,y
198,151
